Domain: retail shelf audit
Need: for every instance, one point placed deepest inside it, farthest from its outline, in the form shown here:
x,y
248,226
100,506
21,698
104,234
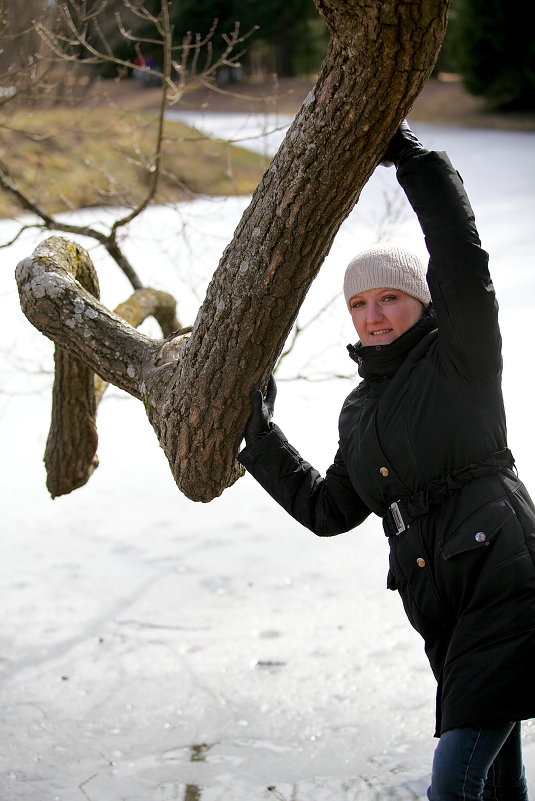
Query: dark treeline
x,y
490,43
289,36
283,37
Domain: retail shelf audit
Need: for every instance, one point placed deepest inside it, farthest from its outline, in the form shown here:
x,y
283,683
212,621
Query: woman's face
x,y
381,315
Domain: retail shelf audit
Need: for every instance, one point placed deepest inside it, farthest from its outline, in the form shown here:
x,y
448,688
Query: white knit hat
x,y
387,266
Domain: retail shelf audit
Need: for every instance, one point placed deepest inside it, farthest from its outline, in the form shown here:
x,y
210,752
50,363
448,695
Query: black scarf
x,y
380,362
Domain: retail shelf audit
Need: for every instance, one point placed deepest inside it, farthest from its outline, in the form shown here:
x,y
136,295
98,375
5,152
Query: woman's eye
x,y
390,297
357,304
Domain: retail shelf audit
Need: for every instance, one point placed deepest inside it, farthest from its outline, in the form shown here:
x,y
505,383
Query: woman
x,y
423,445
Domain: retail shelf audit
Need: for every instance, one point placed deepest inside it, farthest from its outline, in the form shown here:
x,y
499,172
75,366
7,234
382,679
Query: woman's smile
x,y
382,331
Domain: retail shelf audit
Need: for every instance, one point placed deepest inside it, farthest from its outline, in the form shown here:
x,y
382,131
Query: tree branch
x,y
155,168
143,304
57,304
70,454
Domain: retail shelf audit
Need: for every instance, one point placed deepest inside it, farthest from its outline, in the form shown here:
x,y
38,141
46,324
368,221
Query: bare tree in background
x,y
195,388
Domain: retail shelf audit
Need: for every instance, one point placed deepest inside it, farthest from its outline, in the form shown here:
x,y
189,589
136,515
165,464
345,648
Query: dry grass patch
x,y
69,159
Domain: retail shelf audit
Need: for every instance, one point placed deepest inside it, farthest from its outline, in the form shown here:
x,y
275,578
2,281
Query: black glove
x,y
259,422
403,145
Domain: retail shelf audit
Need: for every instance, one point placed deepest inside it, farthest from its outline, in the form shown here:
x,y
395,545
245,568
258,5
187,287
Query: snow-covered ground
x,y
153,648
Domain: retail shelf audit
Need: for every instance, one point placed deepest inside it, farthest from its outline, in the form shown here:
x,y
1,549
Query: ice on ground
x,y
155,648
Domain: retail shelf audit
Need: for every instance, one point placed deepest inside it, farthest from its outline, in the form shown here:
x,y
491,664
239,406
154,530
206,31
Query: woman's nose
x,y
373,312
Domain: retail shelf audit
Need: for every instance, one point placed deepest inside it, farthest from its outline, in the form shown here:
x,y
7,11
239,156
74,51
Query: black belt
x,y
401,513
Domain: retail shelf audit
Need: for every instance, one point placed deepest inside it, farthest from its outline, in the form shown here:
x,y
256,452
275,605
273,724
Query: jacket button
x,y
480,536
420,562
384,471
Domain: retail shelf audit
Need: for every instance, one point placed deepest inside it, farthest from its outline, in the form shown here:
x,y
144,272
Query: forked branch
x,y
60,281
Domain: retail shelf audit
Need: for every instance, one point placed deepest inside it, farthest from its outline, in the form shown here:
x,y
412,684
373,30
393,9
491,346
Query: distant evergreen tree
x,y
495,47
294,30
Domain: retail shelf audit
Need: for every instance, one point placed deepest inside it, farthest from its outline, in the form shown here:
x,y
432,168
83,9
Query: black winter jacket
x,y
423,445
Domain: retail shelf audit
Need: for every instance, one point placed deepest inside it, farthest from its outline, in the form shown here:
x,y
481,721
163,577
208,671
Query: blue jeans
x,y
479,765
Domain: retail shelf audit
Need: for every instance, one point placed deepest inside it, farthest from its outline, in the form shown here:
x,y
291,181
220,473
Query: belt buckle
x,y
397,517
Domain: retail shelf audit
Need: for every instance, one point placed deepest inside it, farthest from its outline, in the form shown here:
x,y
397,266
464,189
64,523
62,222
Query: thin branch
x,y
142,12
157,157
109,241
298,328
134,38
22,229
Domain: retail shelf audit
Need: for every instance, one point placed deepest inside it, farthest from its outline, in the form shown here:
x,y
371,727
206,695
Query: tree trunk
x,y
196,389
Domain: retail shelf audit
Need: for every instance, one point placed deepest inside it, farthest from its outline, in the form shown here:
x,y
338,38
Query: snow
x,y
155,648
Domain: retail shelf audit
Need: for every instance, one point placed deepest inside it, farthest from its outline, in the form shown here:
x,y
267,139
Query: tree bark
x,y
71,447
196,389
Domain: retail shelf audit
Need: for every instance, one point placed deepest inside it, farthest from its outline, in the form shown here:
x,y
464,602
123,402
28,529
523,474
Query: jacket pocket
x,y
478,530
412,574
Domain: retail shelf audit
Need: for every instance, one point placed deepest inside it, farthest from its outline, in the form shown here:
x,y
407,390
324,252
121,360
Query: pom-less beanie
x,y
387,266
